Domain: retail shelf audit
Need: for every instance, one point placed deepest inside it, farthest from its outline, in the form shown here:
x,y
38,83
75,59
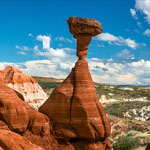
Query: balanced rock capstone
x,y
73,107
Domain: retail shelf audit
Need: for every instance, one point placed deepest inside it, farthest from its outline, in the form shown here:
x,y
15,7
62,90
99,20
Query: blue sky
x,y
35,38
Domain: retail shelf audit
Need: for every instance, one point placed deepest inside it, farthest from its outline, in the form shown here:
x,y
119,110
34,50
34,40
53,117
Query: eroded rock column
x,y
83,29
73,107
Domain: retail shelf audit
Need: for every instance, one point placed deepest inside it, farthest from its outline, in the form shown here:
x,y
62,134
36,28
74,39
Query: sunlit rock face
x,y
16,116
76,113
13,141
14,78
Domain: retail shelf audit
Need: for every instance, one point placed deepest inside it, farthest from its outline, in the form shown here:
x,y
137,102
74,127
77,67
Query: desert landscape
x,y
72,117
132,104
75,75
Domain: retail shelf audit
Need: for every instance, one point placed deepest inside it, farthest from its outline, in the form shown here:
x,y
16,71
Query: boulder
x,y
78,25
13,141
19,117
12,110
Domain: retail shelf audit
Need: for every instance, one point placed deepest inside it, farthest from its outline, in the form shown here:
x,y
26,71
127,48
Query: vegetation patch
x,y
120,93
126,142
120,109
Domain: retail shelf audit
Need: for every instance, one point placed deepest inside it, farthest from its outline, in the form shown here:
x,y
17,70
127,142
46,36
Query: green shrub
x,y
48,84
118,109
125,142
131,133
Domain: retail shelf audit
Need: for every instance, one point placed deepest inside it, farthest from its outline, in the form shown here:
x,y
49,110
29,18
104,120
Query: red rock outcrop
x,y
14,78
12,110
13,141
19,117
73,107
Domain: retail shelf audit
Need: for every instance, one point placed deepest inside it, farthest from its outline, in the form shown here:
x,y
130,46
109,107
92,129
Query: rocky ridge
x,y
14,78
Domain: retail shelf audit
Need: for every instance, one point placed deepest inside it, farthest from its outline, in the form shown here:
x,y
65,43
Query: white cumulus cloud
x,y
110,38
61,38
107,37
133,13
45,40
144,7
125,54
103,71
112,72
147,32
30,34
47,50
23,48
22,53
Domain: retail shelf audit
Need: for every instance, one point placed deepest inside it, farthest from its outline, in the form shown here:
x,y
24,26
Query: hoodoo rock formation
x,y
14,78
74,110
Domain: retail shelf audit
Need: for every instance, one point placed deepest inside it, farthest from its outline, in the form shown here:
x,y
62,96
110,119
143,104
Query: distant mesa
x,y
23,84
47,79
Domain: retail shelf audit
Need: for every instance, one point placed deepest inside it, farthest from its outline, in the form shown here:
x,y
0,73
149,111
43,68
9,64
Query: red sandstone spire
x,y
73,106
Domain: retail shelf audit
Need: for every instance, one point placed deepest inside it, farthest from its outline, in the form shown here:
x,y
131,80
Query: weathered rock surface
x,y
73,107
14,78
79,25
87,116
83,29
13,141
12,110
18,116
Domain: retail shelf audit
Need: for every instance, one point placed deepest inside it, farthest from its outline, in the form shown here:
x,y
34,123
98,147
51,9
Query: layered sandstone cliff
x,y
22,127
24,84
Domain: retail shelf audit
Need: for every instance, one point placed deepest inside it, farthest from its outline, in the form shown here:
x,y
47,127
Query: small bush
x,y
131,133
47,84
118,109
126,143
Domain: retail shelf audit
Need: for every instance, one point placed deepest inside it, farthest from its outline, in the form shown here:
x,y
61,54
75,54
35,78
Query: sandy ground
x,y
140,148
